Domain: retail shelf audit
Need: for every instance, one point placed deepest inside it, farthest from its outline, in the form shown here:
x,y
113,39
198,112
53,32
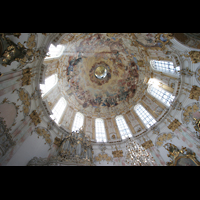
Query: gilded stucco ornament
x,y
117,153
186,72
182,157
35,117
103,155
11,51
26,76
189,112
147,144
41,131
22,53
174,125
194,55
162,138
26,100
195,92
57,141
6,140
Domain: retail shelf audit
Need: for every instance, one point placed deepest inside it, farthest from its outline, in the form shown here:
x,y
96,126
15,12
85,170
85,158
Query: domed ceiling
x,y
104,73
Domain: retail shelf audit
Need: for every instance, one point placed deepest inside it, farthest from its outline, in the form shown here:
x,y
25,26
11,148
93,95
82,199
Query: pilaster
x,y
149,109
129,124
163,106
116,128
106,128
138,119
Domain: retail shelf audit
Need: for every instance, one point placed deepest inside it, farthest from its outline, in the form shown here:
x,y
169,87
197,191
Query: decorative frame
x,y
16,107
183,157
189,113
44,132
96,80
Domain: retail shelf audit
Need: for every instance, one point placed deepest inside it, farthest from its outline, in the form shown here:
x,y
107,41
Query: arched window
x,y
161,94
164,66
59,109
78,121
50,82
55,51
123,127
100,130
146,118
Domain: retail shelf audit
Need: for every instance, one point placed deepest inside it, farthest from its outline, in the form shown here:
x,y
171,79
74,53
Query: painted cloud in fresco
x,y
120,82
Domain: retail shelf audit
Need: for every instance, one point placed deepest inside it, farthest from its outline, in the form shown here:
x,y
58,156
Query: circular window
x,y
100,72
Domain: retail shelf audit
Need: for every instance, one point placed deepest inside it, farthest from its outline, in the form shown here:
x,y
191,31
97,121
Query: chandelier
x,y
136,155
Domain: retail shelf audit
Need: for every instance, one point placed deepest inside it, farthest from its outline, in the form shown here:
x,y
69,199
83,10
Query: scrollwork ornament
x,y
181,157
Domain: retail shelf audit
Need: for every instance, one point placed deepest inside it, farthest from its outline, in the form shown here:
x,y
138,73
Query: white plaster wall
x,y
108,151
31,147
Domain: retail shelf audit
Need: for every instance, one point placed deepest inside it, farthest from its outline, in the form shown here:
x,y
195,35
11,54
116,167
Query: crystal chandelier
x,y
136,155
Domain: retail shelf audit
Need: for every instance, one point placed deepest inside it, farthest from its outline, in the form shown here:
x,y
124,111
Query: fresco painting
x,y
85,85
115,54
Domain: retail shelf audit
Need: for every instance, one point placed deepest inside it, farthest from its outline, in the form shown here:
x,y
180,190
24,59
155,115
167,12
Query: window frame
x,y
57,111
154,90
75,118
123,130
101,133
175,68
48,91
60,52
145,116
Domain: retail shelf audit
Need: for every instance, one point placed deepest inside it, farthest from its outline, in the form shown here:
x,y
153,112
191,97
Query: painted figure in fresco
x,y
146,39
114,51
98,100
73,61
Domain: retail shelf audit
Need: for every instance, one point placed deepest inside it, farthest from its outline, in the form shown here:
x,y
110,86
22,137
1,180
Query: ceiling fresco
x,y
118,59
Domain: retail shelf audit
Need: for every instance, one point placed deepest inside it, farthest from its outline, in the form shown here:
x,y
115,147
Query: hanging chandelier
x,y
136,155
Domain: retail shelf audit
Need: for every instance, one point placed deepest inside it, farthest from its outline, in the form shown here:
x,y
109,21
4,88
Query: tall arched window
x,y
59,109
100,130
164,66
50,82
161,94
55,51
123,127
146,118
78,121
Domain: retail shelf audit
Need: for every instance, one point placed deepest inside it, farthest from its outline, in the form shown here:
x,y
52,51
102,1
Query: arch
x,y
100,130
144,115
78,121
123,127
50,82
58,109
